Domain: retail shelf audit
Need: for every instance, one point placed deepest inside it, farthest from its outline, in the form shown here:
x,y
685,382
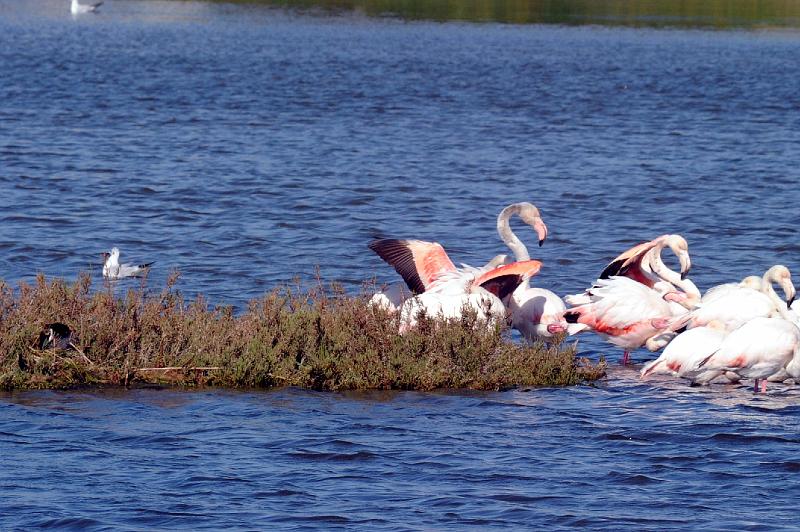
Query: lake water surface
x,y
246,146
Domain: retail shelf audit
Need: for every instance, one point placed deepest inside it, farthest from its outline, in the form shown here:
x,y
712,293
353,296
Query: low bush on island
x,y
320,338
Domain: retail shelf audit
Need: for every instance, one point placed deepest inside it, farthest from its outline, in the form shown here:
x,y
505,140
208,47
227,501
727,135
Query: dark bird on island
x,y
55,336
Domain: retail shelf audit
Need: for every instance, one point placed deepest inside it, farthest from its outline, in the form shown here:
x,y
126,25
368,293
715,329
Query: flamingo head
x,y
530,215
780,274
680,247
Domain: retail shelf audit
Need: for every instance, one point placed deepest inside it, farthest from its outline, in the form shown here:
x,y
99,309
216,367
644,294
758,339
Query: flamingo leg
x,y
626,358
763,385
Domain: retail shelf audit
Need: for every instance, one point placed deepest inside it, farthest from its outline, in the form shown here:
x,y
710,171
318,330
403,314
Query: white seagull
x,y
112,269
76,9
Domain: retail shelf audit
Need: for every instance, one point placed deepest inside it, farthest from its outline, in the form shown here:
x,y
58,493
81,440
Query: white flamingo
x,y
737,306
756,350
751,281
684,354
535,312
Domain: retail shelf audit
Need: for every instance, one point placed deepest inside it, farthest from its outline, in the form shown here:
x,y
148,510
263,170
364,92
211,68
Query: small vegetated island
x,y
57,334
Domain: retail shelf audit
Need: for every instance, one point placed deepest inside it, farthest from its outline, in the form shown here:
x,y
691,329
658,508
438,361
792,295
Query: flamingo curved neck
x,y
767,288
507,235
660,269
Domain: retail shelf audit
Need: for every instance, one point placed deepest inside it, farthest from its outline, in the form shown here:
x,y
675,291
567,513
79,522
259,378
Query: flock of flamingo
x,y
733,331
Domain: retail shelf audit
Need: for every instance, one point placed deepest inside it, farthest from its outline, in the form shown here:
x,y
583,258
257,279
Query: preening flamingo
x,y
444,289
637,293
643,263
756,350
737,306
535,312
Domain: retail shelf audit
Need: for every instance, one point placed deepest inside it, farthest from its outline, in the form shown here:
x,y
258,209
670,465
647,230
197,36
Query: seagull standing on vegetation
x,y
76,9
112,269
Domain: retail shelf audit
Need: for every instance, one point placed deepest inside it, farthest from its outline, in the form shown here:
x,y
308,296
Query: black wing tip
x,y
397,254
615,268
705,360
503,285
572,316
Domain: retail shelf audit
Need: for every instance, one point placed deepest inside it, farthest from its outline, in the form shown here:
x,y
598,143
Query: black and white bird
x,y
112,269
55,336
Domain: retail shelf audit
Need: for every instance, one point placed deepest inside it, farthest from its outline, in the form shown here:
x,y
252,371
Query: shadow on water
x,y
653,13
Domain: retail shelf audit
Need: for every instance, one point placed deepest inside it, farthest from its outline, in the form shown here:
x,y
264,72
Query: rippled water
x,y
245,146
581,457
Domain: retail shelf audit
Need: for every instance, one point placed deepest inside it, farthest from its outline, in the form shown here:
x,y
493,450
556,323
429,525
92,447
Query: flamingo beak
x,y
541,230
556,328
686,264
789,290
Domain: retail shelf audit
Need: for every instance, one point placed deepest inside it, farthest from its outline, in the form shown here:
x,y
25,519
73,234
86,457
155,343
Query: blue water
x,y
246,146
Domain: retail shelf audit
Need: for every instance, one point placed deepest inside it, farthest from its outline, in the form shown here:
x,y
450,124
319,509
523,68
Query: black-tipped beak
x,y
789,302
541,242
683,275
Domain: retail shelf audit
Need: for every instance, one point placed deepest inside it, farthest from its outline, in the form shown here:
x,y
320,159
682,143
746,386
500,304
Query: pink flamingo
x,y
638,301
445,290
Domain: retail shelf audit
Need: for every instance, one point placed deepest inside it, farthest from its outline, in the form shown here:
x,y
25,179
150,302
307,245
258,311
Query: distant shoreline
x,y
730,14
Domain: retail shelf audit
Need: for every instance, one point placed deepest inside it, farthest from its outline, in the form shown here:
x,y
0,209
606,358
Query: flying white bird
x,y
112,269
76,9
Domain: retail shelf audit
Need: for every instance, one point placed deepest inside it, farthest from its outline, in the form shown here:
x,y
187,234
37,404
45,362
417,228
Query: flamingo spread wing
x,y
503,280
419,263
629,264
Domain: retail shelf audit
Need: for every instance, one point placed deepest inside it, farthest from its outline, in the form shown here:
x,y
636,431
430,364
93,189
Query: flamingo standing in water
x,y
756,350
736,306
684,354
535,312
625,313
638,300
445,290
